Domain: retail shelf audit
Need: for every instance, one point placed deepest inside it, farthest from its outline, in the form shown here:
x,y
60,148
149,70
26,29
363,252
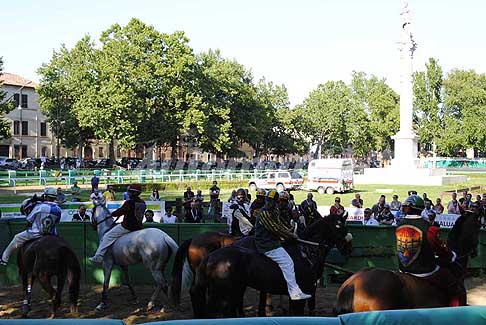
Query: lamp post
x,y
20,124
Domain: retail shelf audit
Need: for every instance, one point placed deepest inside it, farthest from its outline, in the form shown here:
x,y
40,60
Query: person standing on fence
x,y
109,194
213,211
132,211
42,217
95,181
188,198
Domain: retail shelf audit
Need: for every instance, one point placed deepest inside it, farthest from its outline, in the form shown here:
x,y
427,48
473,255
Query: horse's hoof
x,y
101,307
150,306
52,316
164,310
25,310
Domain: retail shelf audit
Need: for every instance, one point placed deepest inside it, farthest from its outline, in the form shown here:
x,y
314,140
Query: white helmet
x,y
50,192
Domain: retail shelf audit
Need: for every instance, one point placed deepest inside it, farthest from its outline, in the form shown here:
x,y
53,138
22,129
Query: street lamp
x,y
20,124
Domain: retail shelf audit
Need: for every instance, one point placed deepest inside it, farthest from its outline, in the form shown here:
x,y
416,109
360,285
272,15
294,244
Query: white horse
x,y
150,246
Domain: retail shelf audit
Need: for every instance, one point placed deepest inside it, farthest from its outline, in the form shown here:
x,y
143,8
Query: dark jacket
x,y
193,216
132,211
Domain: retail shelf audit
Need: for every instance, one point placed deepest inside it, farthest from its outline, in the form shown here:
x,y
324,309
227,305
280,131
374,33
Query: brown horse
x,y
189,255
44,258
378,289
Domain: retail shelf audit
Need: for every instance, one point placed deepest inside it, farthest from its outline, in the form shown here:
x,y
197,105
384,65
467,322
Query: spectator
x,y
75,192
478,198
232,198
386,217
95,181
155,195
426,198
193,215
149,215
463,198
308,207
61,197
453,207
213,211
431,217
467,203
168,217
395,205
412,192
368,219
378,207
337,208
97,198
438,207
109,194
125,194
199,198
81,215
357,202
426,210
248,196
188,197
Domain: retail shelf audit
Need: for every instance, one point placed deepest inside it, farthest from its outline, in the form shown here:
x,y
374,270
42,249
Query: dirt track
x,y
11,300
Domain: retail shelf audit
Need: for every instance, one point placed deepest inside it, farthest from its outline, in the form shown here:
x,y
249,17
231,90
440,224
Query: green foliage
x,y
181,186
5,108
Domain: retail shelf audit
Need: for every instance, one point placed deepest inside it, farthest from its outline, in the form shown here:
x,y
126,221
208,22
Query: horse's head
x,y
331,231
102,220
464,235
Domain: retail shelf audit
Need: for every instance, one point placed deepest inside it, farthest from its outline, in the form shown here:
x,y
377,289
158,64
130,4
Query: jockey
x,y
418,243
240,221
132,211
42,218
268,231
257,204
284,208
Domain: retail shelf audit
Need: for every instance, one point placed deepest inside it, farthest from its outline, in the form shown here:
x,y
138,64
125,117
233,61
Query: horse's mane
x,y
462,233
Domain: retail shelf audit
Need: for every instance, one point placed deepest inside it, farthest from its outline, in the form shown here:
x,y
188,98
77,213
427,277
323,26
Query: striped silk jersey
x,y
43,218
269,230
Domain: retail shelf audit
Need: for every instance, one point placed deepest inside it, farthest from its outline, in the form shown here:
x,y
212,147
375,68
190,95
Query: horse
x,y
150,246
378,289
44,258
226,273
190,254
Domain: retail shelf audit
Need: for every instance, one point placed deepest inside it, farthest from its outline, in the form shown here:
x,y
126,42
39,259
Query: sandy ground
x,y
119,308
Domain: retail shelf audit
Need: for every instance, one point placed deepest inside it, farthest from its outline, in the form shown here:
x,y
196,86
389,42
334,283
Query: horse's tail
x,y
198,291
73,276
180,273
345,300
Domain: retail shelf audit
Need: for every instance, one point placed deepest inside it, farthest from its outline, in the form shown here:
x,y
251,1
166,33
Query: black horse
x,y
378,289
44,258
226,273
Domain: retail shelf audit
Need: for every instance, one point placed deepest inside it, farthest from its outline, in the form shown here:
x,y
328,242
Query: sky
x,y
298,43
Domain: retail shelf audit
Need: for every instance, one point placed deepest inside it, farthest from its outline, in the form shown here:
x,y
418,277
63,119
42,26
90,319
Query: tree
x,y
427,89
5,108
464,111
63,82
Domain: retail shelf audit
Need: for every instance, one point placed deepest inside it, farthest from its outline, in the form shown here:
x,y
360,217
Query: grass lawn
x,y
369,193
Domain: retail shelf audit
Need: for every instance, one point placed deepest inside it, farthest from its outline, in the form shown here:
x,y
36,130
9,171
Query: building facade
x,y
31,135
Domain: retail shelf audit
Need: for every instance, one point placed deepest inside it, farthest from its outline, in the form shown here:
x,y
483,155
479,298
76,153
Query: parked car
x,y
280,181
103,163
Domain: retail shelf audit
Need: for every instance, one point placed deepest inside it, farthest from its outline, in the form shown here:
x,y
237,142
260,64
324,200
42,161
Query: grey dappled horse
x,y
150,246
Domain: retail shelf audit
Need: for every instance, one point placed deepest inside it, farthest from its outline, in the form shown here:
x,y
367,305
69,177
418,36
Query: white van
x,y
330,175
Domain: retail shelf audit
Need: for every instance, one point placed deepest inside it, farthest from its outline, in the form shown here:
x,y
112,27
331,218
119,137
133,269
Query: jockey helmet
x,y
50,192
27,206
260,192
272,195
284,196
240,194
415,202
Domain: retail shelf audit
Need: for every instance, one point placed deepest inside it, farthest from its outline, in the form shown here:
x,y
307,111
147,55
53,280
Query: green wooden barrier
x,y
372,247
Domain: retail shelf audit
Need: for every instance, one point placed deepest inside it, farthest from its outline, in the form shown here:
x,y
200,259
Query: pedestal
x,y
405,150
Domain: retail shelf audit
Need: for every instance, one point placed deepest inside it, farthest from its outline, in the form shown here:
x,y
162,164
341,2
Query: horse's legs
x,y
160,285
239,303
126,278
311,303
296,307
262,304
268,305
45,281
107,267
27,283
61,278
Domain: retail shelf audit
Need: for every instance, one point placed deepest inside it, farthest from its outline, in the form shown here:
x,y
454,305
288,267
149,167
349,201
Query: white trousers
x,y
284,261
109,238
17,242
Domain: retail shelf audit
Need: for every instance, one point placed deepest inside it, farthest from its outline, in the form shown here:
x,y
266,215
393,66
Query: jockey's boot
x,y
300,296
3,263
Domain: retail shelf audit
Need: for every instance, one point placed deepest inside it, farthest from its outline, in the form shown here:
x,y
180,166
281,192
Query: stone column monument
x,y
406,139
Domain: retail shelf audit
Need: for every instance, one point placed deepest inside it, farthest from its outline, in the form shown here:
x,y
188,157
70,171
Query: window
x,y
17,152
16,127
100,152
283,175
44,151
25,128
16,99
43,127
4,150
24,101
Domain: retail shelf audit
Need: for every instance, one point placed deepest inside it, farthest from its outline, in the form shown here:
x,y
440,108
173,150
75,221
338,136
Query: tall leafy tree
x,y
464,111
428,116
5,108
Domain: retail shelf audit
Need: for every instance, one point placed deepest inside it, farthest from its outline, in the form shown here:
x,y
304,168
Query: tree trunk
x,y
173,148
111,152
